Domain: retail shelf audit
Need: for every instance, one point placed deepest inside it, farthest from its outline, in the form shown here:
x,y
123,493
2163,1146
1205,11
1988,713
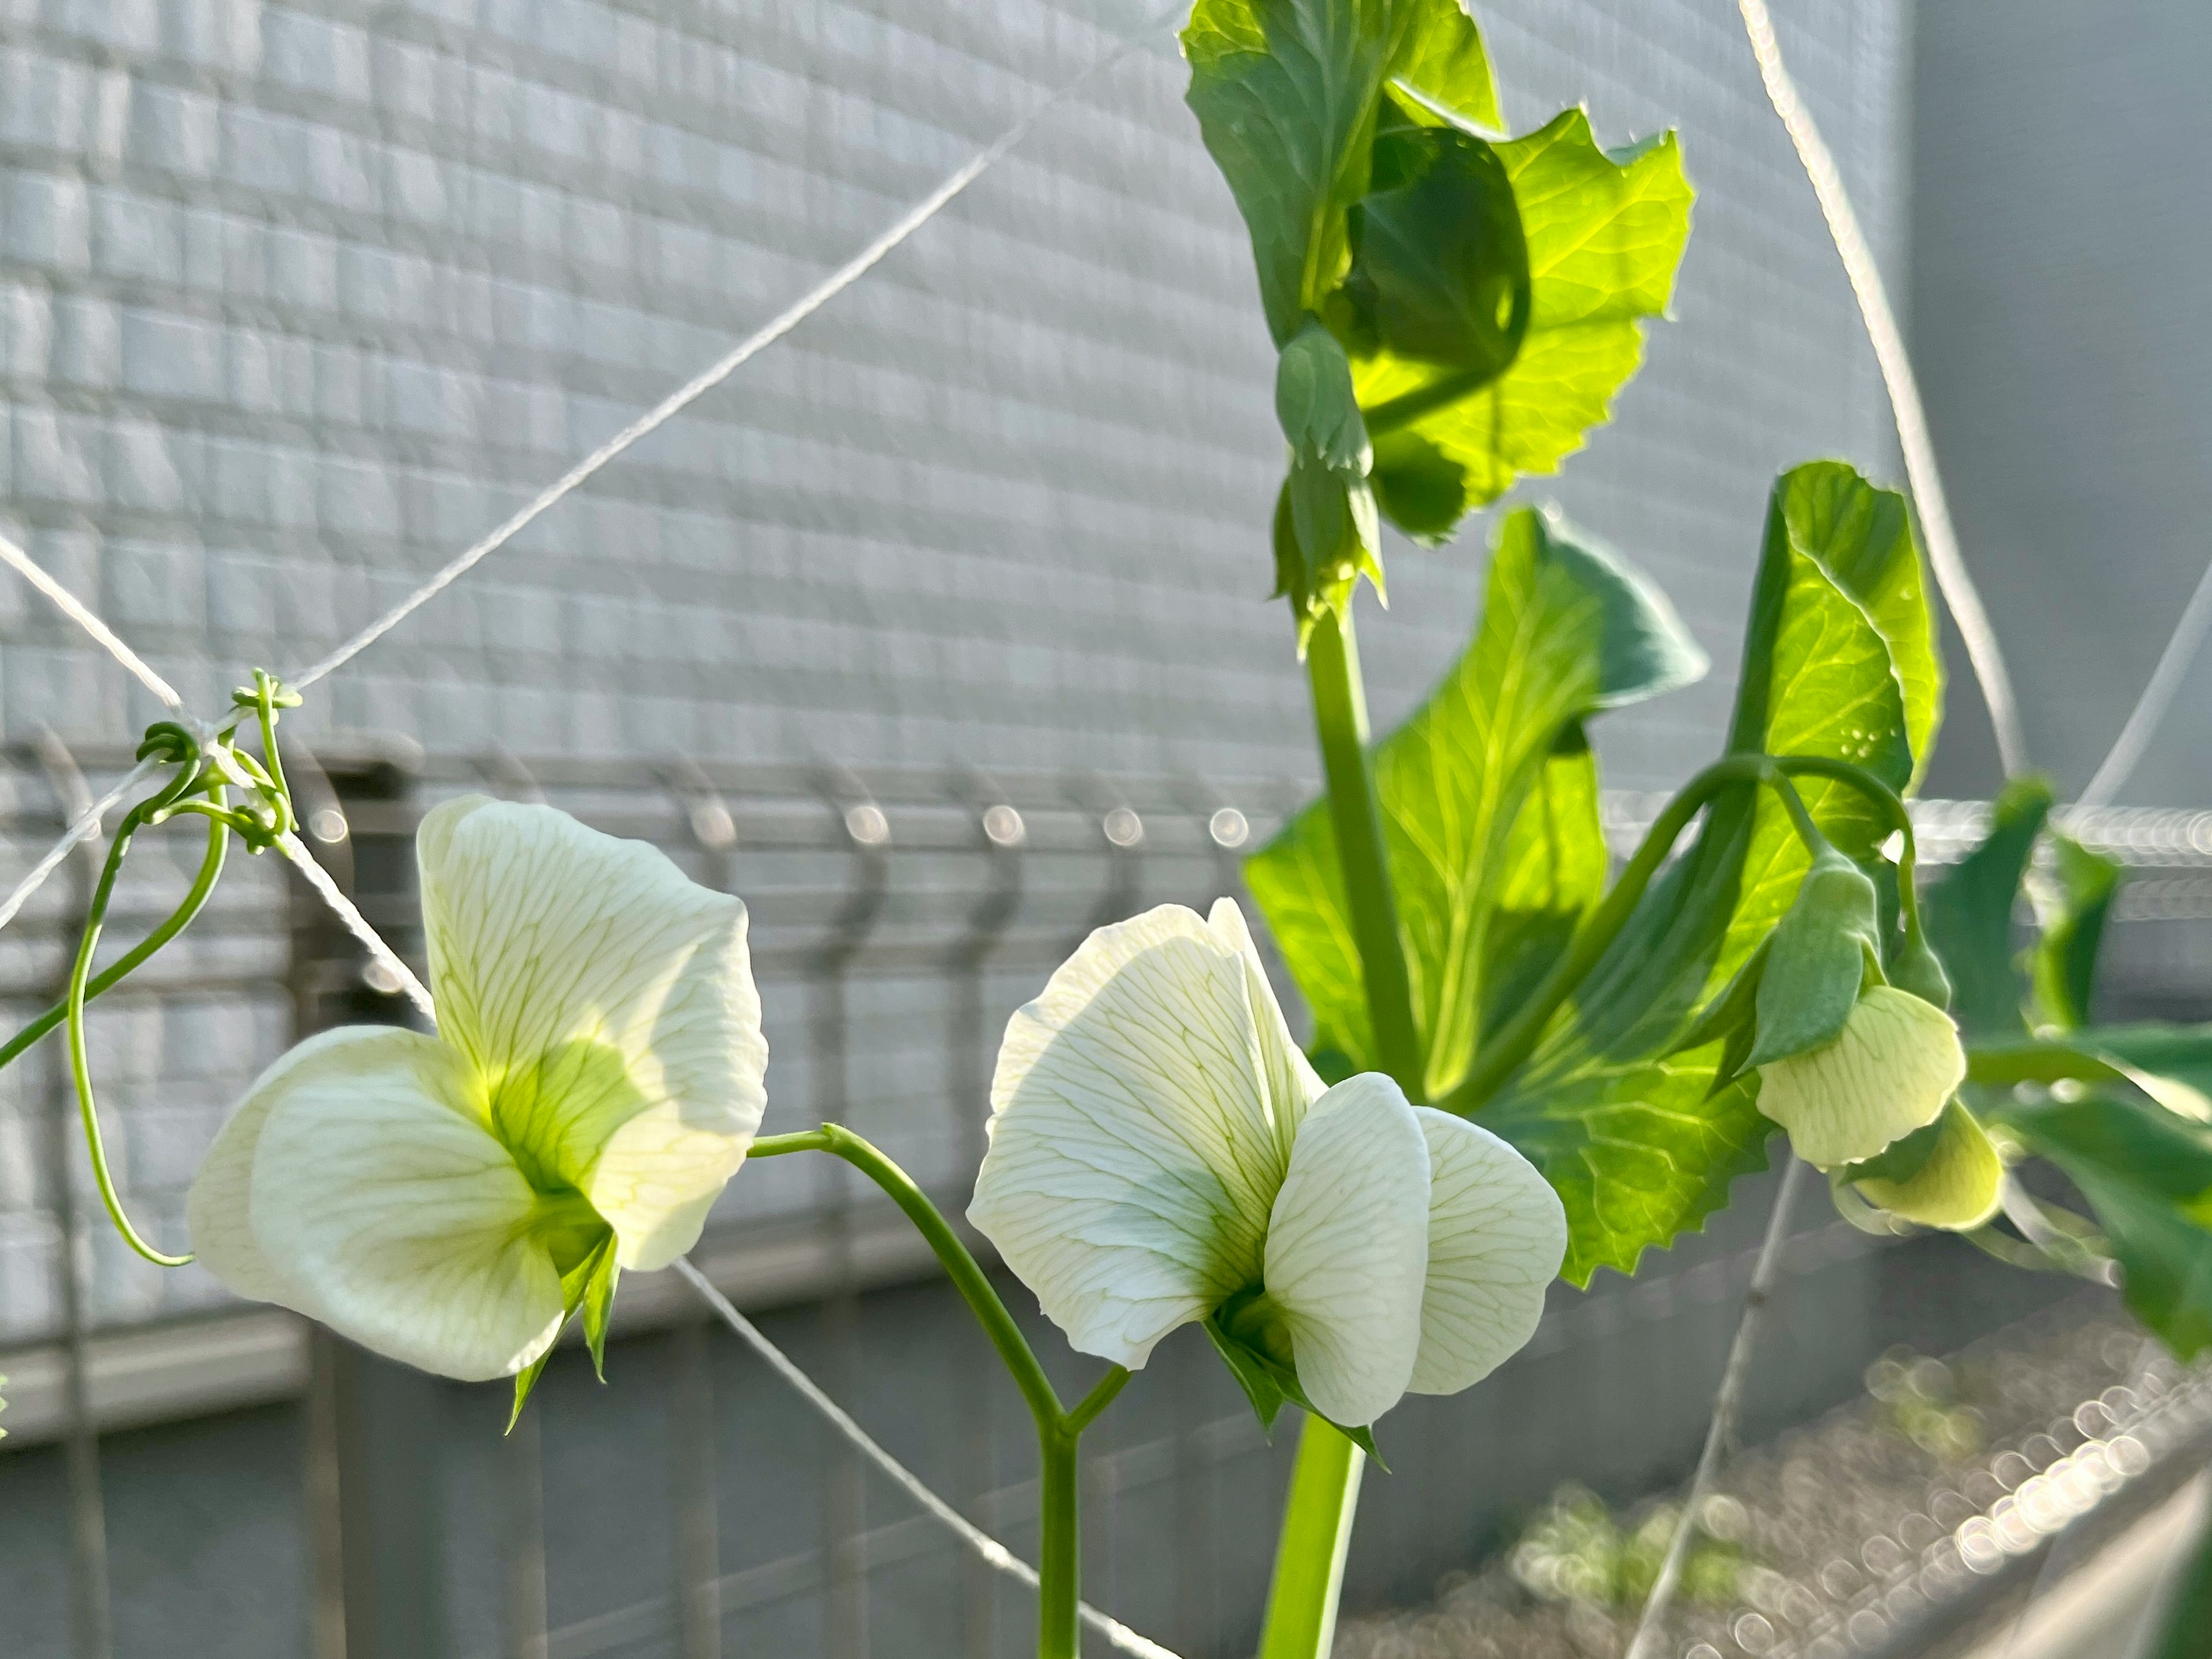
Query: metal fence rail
x,y
898,917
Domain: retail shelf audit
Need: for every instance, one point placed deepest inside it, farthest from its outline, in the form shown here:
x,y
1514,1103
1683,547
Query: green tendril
x,y
205,772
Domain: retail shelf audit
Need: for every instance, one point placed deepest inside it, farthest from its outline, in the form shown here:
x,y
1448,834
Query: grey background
x,y
293,306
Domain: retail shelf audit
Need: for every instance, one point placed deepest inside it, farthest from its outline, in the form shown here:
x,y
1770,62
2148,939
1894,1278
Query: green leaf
x,y
1443,67
2148,1174
1567,630
1969,914
1604,231
2066,956
1439,275
1554,869
1633,1128
1286,93
2170,1064
1832,618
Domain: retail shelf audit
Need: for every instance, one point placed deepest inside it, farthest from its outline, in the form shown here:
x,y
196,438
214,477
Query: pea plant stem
x,y
1310,1555
1059,1428
1728,1408
1340,703
1301,1616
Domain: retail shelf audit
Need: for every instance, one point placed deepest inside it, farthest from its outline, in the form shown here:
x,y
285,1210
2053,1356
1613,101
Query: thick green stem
x,y
1060,1431
1310,1555
1060,1565
1301,1620
1341,717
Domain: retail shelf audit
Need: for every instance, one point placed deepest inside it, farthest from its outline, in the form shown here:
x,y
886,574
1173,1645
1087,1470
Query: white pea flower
x,y
595,1081
1896,1062
1162,1154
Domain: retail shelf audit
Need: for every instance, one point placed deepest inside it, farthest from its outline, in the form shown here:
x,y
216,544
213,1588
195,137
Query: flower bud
x,y
1889,1072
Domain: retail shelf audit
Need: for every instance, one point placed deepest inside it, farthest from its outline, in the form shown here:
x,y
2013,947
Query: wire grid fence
x,y
897,918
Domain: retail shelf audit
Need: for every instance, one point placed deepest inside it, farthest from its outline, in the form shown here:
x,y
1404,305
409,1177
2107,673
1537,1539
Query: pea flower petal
x,y
1959,1187
1896,1063
1348,1248
424,1251
1161,1153
1497,1235
1134,1150
597,1074
607,1007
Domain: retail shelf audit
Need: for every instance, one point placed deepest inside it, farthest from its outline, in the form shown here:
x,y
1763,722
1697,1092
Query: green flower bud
x,y
1915,967
1817,960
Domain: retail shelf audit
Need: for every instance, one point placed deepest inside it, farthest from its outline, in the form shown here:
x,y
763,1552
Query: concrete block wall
x,y
293,306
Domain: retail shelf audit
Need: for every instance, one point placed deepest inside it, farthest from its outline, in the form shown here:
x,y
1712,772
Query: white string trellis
x,y
992,1552
646,424
87,822
1957,582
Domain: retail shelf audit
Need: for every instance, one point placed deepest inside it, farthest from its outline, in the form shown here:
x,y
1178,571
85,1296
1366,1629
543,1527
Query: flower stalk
x,y
1059,1428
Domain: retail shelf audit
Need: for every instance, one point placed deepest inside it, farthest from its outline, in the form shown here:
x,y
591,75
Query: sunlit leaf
x,y
1567,630
1969,914
1440,270
1604,231
1625,1123
1286,93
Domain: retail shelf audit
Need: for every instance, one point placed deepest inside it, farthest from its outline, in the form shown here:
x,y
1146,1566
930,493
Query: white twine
x,y
1957,584
696,388
2158,695
987,1548
83,615
355,923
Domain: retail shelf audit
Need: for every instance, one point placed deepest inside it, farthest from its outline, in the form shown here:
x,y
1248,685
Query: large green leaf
x,y
1969,915
2148,1174
1604,231
2066,956
1627,1126
1286,94
1567,630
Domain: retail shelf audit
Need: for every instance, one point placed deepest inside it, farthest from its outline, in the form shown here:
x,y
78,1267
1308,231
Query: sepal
x,y
1267,1383
1817,960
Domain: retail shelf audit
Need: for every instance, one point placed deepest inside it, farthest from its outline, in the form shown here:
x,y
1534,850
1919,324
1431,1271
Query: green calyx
x,y
1823,953
582,1247
1249,1332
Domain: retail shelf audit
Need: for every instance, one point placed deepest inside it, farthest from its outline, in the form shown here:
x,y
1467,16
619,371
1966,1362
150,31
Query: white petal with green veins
x,y
218,1209
608,1006
396,1217
1896,1062
1496,1234
1134,1153
1348,1248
